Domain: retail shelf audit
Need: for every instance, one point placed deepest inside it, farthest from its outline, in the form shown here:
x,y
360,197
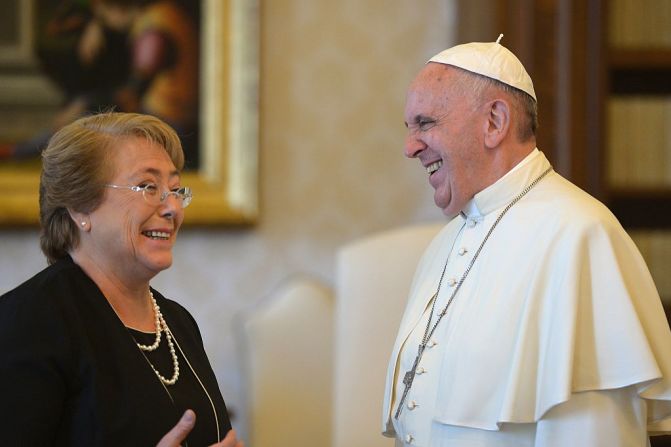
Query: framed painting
x,y
221,148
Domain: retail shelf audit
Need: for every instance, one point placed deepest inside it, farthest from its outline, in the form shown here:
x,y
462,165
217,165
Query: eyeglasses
x,y
151,195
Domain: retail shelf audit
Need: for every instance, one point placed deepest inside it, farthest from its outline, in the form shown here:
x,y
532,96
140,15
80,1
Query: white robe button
x,y
471,223
420,370
451,282
412,405
462,251
409,439
432,343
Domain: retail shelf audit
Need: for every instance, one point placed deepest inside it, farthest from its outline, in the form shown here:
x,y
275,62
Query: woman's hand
x,y
180,431
231,440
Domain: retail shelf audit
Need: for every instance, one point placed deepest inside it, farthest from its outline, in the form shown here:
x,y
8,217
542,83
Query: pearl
x,y
157,322
162,326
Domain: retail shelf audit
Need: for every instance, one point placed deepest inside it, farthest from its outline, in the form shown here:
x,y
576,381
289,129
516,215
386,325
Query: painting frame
x,y
226,183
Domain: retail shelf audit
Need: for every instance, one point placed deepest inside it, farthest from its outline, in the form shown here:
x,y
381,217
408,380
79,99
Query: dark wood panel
x,y
657,58
639,210
640,81
660,441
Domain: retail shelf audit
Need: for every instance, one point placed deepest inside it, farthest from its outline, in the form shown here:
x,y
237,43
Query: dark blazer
x,y
71,373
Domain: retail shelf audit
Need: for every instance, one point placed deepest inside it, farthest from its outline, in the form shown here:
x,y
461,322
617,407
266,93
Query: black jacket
x,y
71,373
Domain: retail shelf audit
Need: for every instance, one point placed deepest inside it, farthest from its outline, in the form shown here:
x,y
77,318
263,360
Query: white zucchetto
x,y
490,59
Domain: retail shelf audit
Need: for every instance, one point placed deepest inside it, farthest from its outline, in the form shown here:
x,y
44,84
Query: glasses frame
x,y
183,194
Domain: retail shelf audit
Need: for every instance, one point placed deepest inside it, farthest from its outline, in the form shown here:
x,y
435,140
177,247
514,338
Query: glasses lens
x,y
150,194
152,197
185,195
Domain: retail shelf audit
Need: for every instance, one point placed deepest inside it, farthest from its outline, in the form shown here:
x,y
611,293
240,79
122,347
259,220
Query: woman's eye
x,y
149,187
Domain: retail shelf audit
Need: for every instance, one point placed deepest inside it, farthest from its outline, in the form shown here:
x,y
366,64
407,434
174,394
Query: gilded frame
x,y
226,185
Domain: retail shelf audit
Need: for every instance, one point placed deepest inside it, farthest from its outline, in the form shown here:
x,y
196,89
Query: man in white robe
x,y
554,334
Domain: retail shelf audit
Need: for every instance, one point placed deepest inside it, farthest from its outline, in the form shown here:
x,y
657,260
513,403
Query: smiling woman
x,y
104,358
132,252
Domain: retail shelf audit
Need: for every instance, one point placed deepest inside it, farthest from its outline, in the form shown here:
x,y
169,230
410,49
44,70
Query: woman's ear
x,y
81,220
498,123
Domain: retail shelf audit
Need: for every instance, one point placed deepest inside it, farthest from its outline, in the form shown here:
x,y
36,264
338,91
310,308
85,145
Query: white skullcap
x,y
490,59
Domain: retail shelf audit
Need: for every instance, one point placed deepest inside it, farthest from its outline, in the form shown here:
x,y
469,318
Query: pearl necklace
x,y
161,326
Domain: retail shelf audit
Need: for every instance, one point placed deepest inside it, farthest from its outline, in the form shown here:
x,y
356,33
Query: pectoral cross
x,y
408,379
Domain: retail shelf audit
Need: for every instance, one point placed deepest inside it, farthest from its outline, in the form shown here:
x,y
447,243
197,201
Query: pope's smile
x,y
433,167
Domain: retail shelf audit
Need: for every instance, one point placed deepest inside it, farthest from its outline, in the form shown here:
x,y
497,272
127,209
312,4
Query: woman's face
x,y
129,236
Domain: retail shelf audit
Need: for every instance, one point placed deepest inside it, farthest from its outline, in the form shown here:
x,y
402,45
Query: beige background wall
x,y
333,78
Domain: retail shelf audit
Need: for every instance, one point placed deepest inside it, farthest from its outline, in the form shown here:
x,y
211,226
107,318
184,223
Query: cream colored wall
x,y
333,76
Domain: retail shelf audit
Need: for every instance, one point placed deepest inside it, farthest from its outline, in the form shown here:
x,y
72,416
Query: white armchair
x,y
315,372
289,368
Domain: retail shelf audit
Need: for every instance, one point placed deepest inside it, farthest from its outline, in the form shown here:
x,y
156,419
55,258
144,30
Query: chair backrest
x,y
288,346
372,284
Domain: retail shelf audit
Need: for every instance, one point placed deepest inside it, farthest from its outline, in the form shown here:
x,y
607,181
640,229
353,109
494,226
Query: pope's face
x,y
445,132
128,235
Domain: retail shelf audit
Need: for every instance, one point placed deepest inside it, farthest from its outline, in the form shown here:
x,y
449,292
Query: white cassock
x,y
557,336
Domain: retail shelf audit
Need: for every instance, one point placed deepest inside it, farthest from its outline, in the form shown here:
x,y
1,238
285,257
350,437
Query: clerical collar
x,y
504,189
471,210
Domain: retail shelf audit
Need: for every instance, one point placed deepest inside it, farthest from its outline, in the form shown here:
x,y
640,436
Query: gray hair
x,y
475,85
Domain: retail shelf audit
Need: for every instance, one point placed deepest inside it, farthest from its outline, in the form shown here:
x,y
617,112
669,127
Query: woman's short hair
x,y
76,166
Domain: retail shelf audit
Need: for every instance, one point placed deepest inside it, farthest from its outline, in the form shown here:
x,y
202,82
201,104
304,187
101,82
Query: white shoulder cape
x,y
559,301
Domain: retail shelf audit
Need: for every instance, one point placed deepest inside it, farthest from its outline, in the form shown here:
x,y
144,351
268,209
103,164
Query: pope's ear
x,y
81,220
498,122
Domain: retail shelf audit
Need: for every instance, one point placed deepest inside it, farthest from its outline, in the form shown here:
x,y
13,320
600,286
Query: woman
x,y
90,354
